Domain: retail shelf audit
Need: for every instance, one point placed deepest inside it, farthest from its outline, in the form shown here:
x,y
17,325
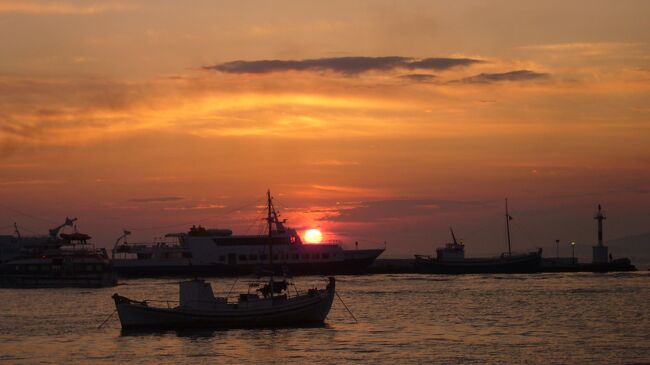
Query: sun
x,y
313,236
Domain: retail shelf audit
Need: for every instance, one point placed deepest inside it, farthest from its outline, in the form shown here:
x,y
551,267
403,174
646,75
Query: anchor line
x,y
107,318
346,307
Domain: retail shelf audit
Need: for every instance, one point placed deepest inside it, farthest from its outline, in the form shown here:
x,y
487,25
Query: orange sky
x,y
372,120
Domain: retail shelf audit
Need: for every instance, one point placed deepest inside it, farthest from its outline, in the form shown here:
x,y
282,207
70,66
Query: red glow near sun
x,y
313,236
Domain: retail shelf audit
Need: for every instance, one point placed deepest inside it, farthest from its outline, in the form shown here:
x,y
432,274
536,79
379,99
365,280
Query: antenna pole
x,y
508,218
270,223
17,230
453,236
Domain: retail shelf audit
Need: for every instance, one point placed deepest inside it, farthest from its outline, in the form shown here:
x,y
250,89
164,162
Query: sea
x,y
554,318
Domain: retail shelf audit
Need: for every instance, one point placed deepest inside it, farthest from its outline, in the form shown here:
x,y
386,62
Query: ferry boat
x,y
65,260
451,259
203,251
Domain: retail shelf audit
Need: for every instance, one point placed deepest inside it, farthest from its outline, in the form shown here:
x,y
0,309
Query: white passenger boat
x,y
208,252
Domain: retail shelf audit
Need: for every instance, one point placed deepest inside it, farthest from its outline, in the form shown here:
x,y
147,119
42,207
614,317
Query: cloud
x,y
585,48
61,8
519,75
157,199
197,207
343,65
419,77
395,209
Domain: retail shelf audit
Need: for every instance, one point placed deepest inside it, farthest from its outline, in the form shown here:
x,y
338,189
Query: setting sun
x,y
313,236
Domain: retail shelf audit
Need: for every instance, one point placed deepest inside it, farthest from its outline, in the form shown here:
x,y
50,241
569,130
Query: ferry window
x,y
326,256
89,267
252,257
242,257
45,268
285,256
222,258
187,255
17,268
32,268
294,256
264,257
305,256
315,256
275,257
99,267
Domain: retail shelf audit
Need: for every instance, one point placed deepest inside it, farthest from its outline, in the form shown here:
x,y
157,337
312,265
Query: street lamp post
x,y
573,252
557,250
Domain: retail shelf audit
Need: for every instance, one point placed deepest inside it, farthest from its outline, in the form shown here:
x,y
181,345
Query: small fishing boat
x,y
271,305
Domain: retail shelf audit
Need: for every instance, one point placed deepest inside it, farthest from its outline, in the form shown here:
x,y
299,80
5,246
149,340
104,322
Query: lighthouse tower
x,y
600,251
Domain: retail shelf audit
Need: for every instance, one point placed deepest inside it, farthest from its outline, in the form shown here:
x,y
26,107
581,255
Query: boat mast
x,y
453,236
508,218
269,219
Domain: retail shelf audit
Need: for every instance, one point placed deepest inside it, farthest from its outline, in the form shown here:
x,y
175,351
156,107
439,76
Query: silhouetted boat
x,y
269,306
54,261
450,259
204,251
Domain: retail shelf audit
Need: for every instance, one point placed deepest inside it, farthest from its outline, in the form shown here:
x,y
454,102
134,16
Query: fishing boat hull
x,y
304,310
524,263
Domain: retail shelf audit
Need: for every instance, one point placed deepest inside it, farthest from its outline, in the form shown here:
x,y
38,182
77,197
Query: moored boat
x,y
451,259
55,261
271,305
208,252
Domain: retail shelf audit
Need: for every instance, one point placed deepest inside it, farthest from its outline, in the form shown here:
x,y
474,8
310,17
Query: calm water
x,y
545,318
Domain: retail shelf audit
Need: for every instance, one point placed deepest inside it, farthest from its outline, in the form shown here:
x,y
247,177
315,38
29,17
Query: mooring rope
x,y
346,307
107,318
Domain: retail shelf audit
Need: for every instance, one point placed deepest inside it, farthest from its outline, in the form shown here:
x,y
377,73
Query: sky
x,y
382,122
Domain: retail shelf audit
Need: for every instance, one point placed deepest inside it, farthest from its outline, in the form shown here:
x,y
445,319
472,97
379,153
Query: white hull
x,y
308,309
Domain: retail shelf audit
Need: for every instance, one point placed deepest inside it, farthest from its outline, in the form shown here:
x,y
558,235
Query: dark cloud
x,y
441,63
343,65
379,210
519,75
157,199
419,77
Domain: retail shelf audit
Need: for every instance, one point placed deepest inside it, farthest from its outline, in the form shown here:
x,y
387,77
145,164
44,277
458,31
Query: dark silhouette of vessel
x,y
54,261
451,259
208,252
271,305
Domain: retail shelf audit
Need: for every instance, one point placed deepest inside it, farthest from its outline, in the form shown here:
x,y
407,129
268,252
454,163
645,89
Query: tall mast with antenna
x,y
269,219
508,218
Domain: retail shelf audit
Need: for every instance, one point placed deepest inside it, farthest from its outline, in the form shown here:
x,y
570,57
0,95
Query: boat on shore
x,y
210,252
451,259
54,261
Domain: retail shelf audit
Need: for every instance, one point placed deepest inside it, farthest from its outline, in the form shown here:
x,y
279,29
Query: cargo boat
x,y
451,259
